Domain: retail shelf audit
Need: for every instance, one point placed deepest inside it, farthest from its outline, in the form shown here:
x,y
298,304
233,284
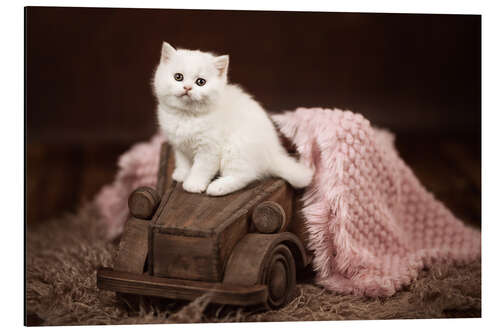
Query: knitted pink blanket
x,y
372,225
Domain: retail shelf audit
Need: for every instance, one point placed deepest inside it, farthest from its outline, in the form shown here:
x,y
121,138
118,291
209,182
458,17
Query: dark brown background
x,y
88,93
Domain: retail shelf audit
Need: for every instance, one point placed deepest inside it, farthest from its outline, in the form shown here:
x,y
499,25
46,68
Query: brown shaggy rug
x,y
62,256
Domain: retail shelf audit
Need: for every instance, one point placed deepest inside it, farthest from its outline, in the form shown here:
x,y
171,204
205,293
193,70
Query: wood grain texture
x,y
200,214
268,217
60,177
250,256
284,196
164,169
135,240
195,257
133,248
143,284
184,257
143,202
279,276
217,223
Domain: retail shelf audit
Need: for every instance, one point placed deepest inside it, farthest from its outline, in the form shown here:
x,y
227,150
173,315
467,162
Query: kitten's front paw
x,y
180,175
218,188
194,186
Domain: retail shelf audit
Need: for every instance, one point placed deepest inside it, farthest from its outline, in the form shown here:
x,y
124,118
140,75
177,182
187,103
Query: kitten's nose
x,y
187,88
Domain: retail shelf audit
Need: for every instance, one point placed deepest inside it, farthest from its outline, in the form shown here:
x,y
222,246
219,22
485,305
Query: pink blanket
x,y
372,225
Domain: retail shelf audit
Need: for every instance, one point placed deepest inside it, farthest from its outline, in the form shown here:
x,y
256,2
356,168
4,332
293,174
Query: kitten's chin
x,y
188,101
186,104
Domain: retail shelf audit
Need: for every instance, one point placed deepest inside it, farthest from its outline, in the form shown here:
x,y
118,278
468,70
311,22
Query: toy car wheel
x,y
279,276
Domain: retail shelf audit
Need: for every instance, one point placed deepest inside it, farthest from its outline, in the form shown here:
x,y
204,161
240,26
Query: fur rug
x,y
62,256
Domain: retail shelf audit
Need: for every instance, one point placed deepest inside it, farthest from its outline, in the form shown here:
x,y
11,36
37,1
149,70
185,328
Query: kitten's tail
x,y
298,175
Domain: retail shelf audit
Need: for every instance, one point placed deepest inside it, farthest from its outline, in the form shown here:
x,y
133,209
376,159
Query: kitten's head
x,y
189,80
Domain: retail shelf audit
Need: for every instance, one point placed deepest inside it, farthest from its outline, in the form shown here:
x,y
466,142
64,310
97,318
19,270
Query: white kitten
x,y
215,127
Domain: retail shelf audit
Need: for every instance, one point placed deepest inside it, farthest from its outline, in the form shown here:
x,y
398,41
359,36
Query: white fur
x,y
218,128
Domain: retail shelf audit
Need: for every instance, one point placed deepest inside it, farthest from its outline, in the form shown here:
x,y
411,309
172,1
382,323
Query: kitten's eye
x,y
178,77
200,81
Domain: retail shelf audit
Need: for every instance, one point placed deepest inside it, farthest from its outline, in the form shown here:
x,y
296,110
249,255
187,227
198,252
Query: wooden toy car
x,y
243,248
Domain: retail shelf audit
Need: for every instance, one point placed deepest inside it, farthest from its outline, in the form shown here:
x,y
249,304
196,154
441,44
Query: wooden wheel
x,y
267,259
279,276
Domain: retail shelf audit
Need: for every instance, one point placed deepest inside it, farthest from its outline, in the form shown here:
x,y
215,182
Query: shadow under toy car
x,y
243,248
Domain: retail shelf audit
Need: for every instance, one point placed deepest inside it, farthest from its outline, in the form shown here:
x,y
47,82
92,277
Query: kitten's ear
x,y
167,51
221,63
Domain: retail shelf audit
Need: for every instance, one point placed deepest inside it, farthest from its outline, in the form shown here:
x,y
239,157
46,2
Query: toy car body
x,y
243,248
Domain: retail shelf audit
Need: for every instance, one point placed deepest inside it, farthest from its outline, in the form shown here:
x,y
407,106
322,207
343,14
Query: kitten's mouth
x,y
185,94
